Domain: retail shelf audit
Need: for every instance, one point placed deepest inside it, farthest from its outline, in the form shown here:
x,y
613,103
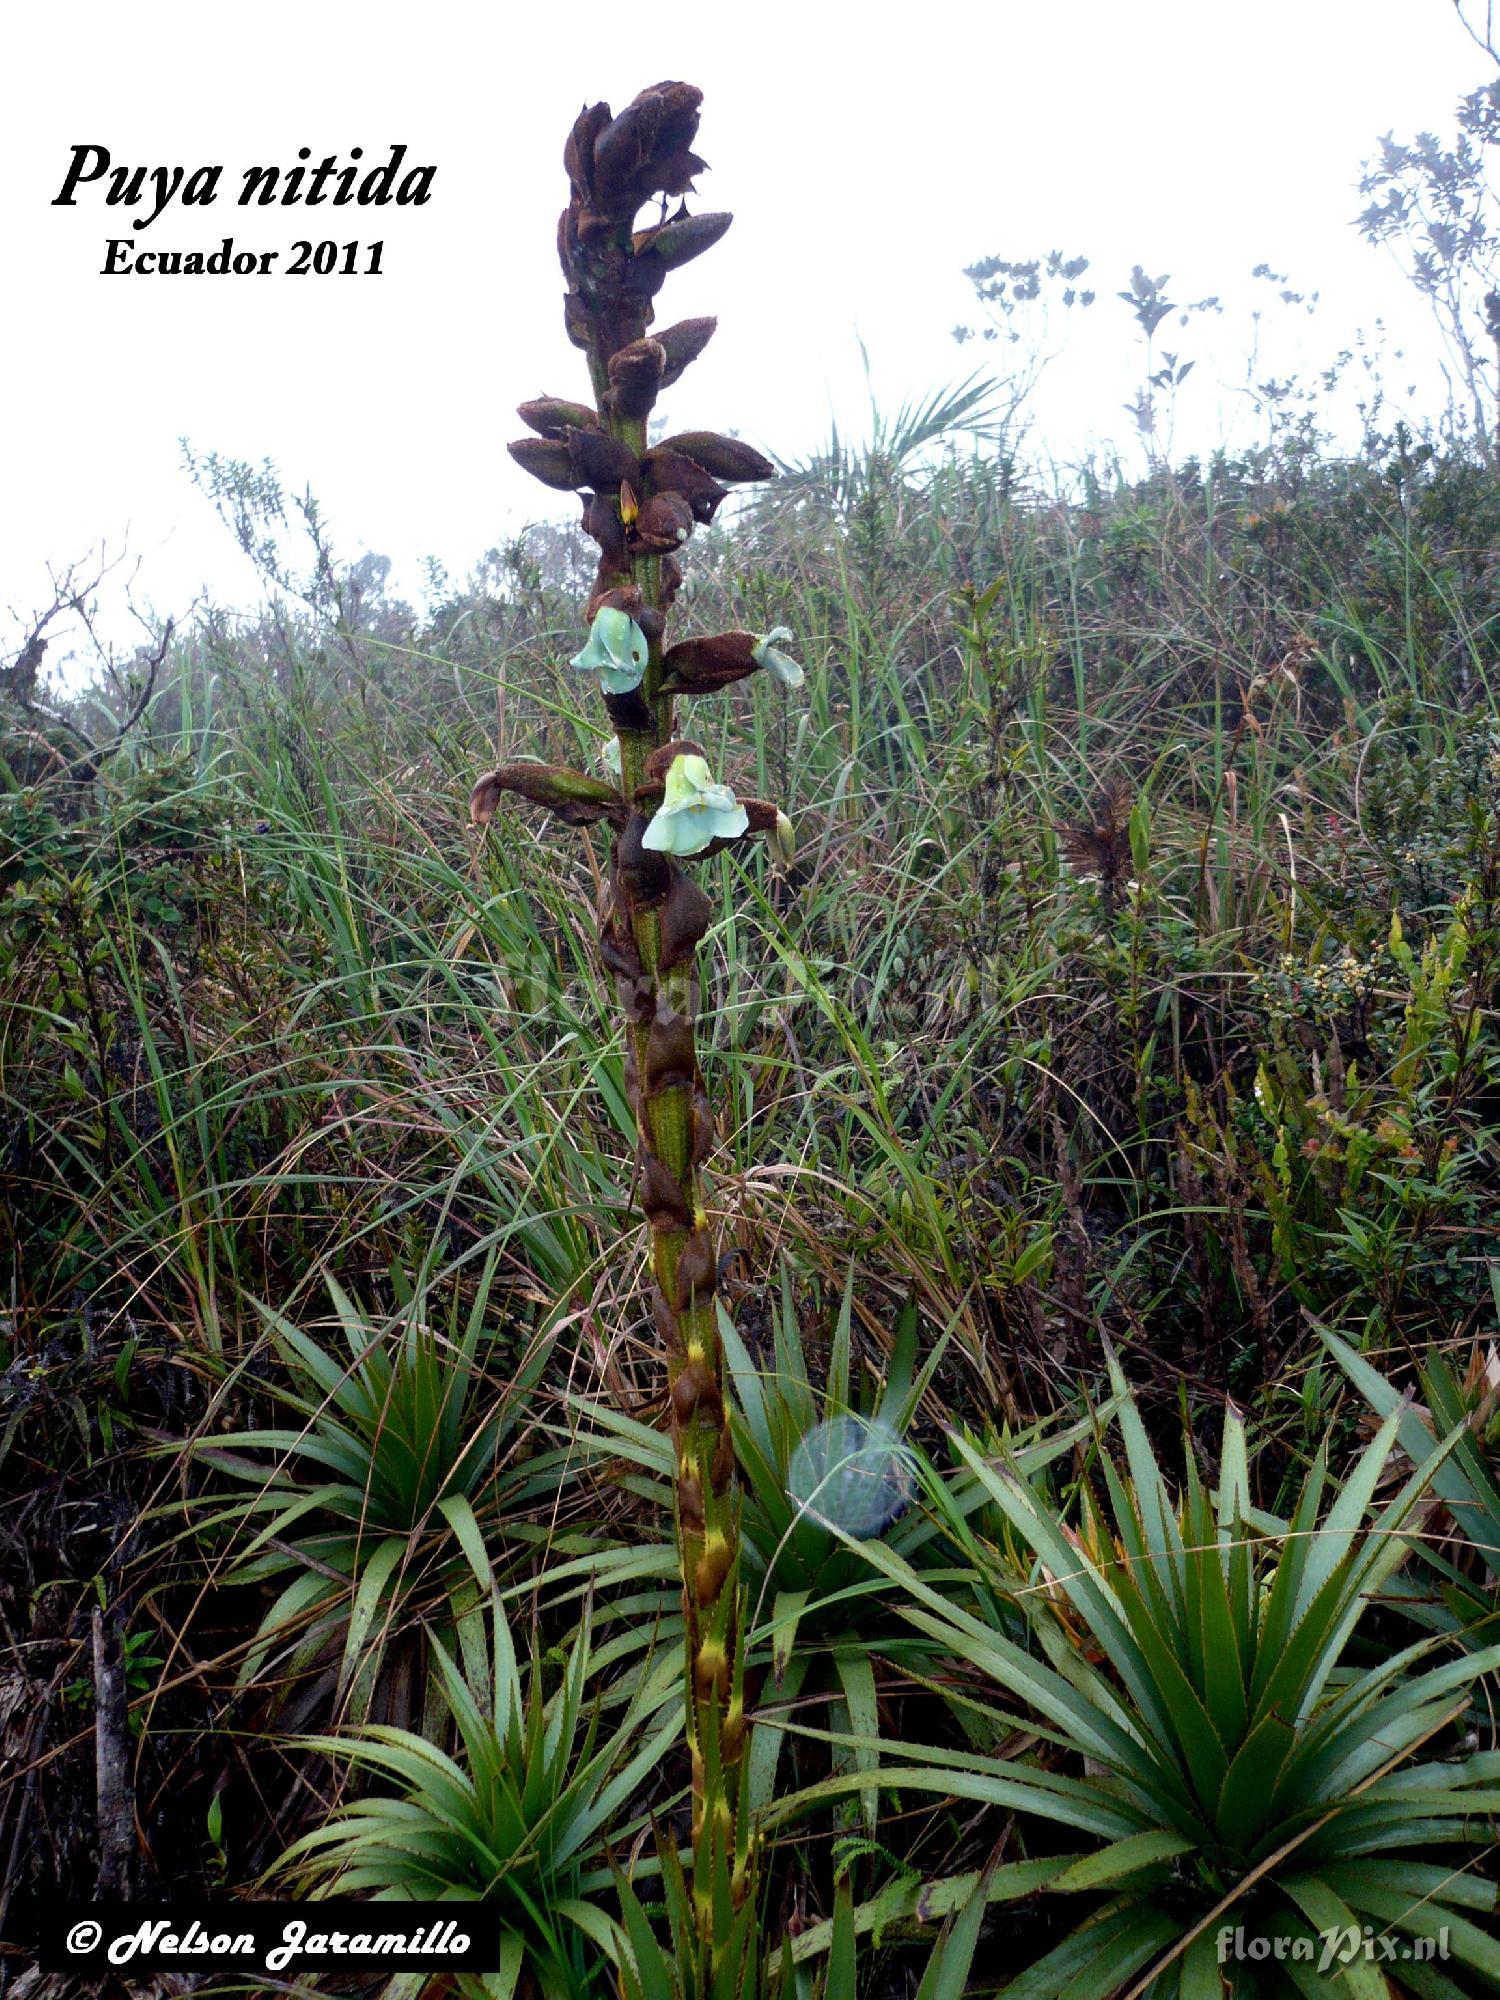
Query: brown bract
x,y
576,458
725,457
572,796
635,375
552,416
660,761
663,524
624,597
643,875
674,472
547,459
703,666
682,344
617,164
682,921
678,241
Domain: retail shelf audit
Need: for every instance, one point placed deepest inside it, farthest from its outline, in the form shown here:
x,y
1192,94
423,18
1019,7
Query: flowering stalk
x,y
641,503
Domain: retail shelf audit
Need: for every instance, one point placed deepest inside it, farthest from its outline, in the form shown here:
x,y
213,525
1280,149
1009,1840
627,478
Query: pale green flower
x,y
609,756
694,812
782,665
784,840
616,651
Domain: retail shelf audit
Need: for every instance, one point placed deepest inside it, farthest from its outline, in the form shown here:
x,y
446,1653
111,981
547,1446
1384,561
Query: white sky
x,y
865,165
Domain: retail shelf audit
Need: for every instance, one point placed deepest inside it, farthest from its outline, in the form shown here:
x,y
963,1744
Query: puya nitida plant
x,y
641,503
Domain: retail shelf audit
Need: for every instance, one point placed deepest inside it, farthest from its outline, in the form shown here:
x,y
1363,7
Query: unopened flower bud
x,y
664,524
547,459
682,344
678,242
551,416
725,457
635,374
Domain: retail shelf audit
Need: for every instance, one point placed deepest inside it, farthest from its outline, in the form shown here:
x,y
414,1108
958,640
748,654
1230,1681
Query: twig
x,y
112,1791
1482,39
153,668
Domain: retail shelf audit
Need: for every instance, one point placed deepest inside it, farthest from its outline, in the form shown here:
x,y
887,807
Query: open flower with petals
x,y
765,654
616,651
695,811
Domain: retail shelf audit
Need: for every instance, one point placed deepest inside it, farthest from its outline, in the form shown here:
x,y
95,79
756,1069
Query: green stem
x,y
706,1499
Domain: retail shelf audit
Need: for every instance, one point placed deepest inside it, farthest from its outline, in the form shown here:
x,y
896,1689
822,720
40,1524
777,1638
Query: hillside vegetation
x,y
1110,1140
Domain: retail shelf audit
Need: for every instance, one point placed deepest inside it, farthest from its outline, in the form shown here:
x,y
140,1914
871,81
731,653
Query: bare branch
x,y
153,666
1484,37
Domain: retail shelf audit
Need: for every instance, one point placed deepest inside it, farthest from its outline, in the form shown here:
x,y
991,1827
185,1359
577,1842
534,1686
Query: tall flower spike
x,y
641,503
616,651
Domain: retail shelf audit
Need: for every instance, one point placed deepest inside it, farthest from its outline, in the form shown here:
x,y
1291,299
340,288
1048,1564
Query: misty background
x,y
867,167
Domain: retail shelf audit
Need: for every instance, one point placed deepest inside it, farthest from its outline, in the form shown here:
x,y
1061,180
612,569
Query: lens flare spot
x,y
852,1473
